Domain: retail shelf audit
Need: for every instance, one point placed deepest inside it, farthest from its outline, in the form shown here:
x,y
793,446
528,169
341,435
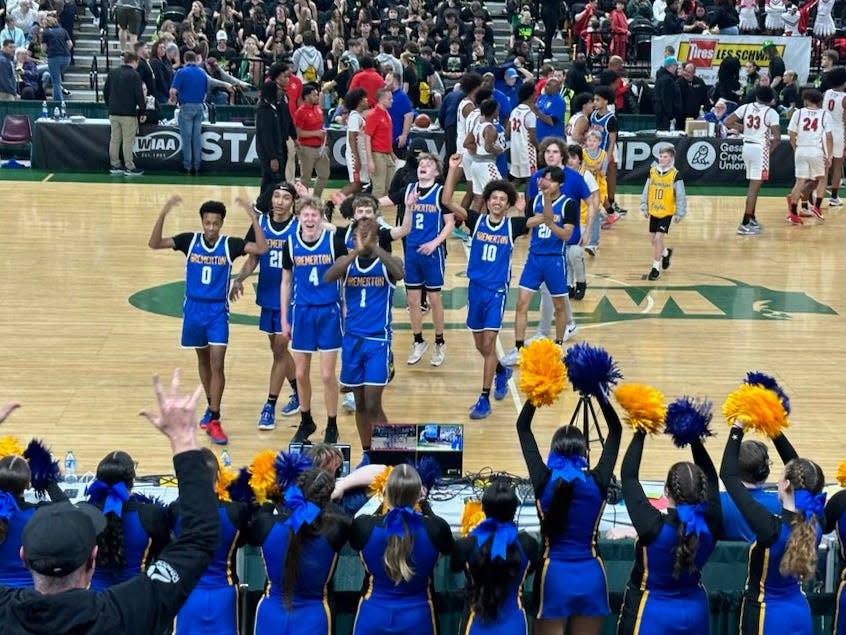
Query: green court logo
x,y
605,302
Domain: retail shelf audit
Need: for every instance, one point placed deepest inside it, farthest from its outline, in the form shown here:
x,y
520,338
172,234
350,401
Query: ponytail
x,y
402,492
687,485
800,554
115,477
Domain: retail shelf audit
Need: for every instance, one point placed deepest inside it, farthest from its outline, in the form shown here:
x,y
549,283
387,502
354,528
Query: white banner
x,y
706,52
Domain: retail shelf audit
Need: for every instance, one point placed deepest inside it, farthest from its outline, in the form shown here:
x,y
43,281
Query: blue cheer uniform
x,y
511,616
205,311
773,604
406,608
489,269
212,607
835,520
146,531
735,526
656,601
310,610
569,552
427,221
368,296
270,269
13,572
545,262
315,304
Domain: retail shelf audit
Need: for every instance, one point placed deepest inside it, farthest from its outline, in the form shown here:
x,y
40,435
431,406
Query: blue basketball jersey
x,y
544,242
426,216
270,262
310,265
369,295
600,124
207,270
489,263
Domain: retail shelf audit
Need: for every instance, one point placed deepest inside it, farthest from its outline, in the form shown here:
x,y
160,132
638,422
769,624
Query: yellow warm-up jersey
x,y
597,166
661,198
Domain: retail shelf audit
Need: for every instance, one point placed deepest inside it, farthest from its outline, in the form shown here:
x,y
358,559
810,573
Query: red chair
x,y
16,131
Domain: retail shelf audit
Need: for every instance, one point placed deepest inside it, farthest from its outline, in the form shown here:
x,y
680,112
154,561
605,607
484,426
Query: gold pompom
x,y
542,373
758,408
263,477
645,406
225,476
377,486
471,516
841,474
9,446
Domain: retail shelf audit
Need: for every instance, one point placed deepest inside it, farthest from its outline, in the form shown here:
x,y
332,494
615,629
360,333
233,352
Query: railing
x,y
104,46
94,78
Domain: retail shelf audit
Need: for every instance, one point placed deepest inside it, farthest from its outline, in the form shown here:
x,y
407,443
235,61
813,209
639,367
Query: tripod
x,y
585,406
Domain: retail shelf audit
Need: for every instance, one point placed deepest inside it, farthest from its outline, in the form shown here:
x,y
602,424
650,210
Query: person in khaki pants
x,y
378,128
312,152
123,93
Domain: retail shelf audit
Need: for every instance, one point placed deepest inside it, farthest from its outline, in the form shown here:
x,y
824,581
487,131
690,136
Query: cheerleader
x,y
835,520
300,546
748,10
664,595
399,550
14,515
784,554
824,24
212,607
570,499
773,12
496,559
136,530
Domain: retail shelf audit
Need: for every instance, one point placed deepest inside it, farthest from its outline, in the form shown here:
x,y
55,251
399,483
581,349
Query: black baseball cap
x,y
59,537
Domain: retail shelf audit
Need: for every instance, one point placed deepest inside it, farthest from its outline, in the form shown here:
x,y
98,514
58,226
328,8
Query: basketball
x,y
422,121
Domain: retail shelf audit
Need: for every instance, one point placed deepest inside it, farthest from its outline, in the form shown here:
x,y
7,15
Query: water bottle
x,y
70,467
45,114
225,458
56,114
64,111
672,125
212,113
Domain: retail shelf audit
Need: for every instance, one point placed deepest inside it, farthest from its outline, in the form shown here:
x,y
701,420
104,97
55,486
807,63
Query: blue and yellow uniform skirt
x,y
209,611
777,615
304,617
664,612
571,587
395,616
510,621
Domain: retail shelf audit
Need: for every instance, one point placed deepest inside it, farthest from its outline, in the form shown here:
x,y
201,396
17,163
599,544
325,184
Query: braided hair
x,y
686,485
800,554
403,489
116,467
566,441
14,479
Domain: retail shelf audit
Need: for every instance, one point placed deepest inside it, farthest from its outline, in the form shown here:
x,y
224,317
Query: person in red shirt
x,y
619,29
378,134
369,79
312,152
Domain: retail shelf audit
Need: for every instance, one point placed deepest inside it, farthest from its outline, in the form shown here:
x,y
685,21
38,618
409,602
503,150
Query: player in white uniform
x,y
834,102
758,123
356,151
470,84
579,124
521,131
485,149
811,139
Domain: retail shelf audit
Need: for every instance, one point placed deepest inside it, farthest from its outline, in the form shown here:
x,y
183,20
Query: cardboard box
x,y
697,128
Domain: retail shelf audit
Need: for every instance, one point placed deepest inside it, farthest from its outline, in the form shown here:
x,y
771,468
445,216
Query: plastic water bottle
x,y
64,111
225,458
56,114
70,467
45,114
672,125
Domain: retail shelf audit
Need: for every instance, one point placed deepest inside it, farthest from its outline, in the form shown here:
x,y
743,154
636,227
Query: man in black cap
x,y
60,548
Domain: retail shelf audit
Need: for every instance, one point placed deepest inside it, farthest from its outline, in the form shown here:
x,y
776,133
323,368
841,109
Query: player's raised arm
x,y
156,240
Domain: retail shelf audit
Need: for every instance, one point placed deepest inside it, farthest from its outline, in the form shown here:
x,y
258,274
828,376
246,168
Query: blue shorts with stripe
x,y
270,321
510,620
485,307
549,269
315,328
558,597
209,611
365,362
424,271
393,617
204,323
272,618
784,614
665,612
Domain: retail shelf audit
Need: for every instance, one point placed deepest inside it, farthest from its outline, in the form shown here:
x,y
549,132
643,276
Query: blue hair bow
x,y
113,496
503,535
566,468
809,504
693,517
8,505
302,511
394,518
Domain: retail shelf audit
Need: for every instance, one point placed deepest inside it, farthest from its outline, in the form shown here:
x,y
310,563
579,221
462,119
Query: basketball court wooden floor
x,y
79,354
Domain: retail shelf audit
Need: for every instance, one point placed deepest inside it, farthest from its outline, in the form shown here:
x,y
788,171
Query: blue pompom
x,y
289,466
429,471
591,370
766,381
148,500
687,420
44,469
240,490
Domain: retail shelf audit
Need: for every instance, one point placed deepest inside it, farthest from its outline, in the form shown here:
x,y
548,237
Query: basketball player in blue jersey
x,y
205,313
489,271
431,224
314,323
552,224
278,224
369,276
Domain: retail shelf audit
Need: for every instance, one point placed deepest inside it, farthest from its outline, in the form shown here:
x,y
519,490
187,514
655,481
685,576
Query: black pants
x,y
269,177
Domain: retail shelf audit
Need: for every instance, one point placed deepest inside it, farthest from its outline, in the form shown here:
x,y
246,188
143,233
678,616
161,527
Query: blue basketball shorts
x,y
424,271
204,324
316,328
365,362
549,269
485,307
